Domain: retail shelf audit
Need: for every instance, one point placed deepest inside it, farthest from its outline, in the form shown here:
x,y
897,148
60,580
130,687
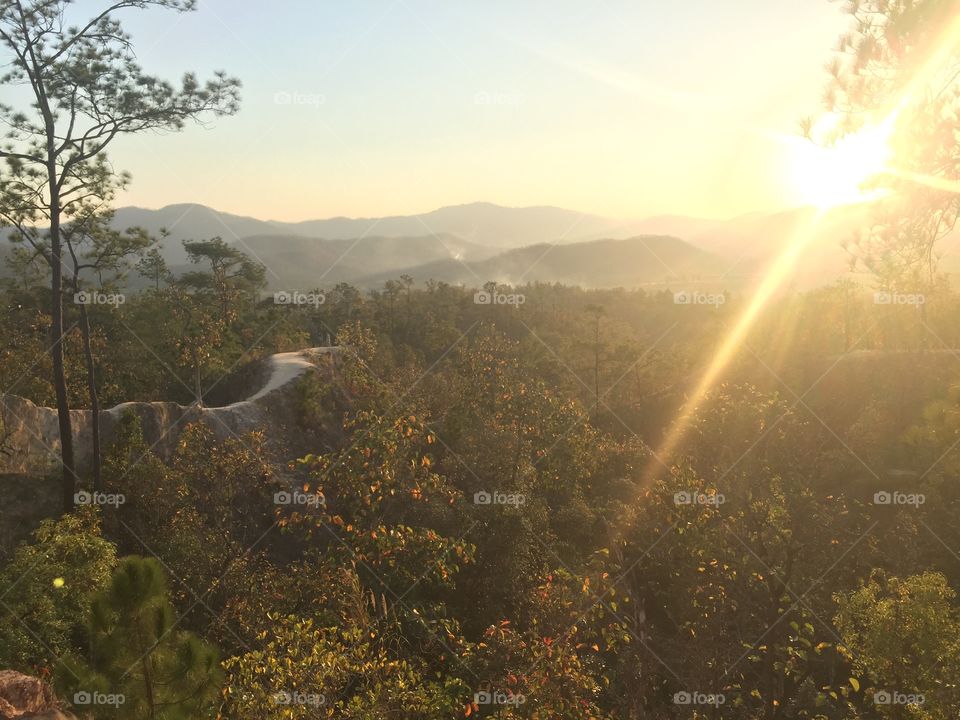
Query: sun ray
x,y
780,267
930,181
771,281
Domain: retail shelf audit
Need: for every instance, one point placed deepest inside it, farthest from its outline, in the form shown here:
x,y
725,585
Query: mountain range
x,y
483,224
464,244
479,242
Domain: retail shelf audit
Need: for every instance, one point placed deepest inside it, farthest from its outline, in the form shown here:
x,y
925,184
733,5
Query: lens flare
x,y
831,176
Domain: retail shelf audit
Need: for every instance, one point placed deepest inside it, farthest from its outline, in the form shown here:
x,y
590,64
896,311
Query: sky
x,y
368,108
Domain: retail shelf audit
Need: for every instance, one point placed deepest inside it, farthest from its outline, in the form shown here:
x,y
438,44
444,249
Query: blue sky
x,y
383,107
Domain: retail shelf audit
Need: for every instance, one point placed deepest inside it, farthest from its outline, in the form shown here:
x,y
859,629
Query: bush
x,y
47,588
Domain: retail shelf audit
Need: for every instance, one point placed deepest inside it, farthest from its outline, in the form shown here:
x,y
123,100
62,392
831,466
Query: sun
x,y
828,175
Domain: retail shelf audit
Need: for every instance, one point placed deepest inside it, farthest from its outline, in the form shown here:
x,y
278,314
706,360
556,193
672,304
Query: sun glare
x,y
839,173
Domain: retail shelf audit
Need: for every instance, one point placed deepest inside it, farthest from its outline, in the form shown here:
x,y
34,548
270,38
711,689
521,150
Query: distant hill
x,y
482,224
640,261
306,254
481,241
751,242
753,235
191,222
303,263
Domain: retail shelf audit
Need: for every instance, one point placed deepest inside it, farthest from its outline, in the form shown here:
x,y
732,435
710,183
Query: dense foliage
x,y
493,530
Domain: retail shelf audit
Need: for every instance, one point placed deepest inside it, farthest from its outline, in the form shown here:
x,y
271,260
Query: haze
x,y
398,107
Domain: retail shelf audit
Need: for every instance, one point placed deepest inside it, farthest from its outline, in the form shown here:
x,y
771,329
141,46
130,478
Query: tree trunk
x,y
68,485
69,482
147,671
196,379
97,458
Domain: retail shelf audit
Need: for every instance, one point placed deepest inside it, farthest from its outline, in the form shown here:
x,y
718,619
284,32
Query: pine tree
x,y
84,88
140,666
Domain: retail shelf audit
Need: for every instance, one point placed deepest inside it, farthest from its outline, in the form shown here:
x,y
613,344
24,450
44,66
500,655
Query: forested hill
x,y
472,243
652,260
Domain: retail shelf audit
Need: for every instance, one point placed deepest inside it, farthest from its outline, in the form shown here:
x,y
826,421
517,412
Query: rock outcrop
x,y
30,438
26,698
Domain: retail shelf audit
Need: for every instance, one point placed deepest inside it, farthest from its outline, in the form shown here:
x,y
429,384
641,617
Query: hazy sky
x,y
366,108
